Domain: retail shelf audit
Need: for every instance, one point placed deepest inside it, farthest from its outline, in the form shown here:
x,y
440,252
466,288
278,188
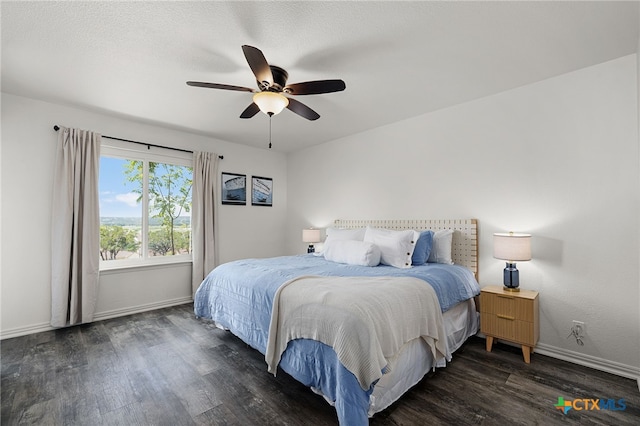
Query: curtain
x,y
203,222
75,228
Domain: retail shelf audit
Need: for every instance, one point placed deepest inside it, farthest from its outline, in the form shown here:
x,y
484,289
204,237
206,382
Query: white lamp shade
x,y
311,235
270,102
512,247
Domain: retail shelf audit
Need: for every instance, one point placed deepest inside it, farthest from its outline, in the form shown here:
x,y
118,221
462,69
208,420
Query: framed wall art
x,y
234,189
261,191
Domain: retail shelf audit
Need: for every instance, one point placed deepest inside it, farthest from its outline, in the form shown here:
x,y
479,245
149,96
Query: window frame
x,y
129,151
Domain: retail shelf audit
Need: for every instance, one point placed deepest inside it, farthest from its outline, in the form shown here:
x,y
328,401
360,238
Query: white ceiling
x,y
398,59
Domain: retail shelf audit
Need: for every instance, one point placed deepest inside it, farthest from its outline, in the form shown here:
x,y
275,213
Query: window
x,y
145,206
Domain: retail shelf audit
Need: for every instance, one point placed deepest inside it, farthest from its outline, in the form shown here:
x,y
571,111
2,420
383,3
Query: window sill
x,y
133,266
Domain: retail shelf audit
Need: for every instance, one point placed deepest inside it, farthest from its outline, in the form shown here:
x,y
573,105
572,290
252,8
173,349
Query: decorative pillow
x,y
334,234
396,247
352,252
441,247
423,248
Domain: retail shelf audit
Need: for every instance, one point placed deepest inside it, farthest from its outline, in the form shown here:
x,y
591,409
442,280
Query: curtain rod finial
x,y
56,127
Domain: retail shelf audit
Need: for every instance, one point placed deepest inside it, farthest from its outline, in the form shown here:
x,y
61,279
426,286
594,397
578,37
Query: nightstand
x,y
510,316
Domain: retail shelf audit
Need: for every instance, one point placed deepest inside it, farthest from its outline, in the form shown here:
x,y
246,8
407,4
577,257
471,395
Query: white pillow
x,y
396,247
334,234
441,248
352,252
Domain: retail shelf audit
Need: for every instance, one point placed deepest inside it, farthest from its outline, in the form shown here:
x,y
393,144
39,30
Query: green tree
x,y
183,239
114,239
169,197
160,241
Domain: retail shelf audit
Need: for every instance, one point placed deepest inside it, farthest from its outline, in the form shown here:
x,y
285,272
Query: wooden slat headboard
x,y
464,250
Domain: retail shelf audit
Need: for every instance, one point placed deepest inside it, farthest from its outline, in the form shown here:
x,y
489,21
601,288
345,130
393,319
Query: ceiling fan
x,y
272,86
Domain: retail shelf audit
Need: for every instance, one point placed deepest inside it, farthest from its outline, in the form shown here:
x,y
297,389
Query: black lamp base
x,y
311,249
511,277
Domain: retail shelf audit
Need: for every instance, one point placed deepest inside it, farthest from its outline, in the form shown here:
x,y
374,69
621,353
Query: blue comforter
x,y
239,296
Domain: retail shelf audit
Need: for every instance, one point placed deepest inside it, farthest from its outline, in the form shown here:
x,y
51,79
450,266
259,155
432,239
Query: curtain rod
x,y
149,145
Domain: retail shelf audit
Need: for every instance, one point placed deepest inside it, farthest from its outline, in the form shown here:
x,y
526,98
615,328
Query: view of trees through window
x,y
145,209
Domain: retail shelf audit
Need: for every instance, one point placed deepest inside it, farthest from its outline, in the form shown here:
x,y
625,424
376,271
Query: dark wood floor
x,y
167,368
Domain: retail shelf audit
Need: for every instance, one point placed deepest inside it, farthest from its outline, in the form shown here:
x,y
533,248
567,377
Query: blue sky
x,y
116,196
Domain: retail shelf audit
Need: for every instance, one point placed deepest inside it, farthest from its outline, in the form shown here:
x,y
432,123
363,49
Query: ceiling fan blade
x,y
315,87
250,111
302,110
219,86
258,64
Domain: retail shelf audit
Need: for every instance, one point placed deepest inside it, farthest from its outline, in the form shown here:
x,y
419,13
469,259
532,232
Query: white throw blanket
x,y
366,320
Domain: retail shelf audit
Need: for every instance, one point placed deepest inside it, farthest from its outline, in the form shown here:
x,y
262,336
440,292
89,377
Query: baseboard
x,y
23,331
99,316
596,363
141,308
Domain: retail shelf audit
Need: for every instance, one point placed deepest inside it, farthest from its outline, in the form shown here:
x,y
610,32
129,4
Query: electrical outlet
x,y
578,328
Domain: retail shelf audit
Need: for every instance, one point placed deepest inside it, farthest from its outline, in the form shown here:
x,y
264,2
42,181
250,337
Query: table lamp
x,y
513,248
311,236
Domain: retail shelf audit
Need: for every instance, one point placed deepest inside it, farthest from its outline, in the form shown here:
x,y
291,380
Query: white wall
x,y
28,152
638,111
558,159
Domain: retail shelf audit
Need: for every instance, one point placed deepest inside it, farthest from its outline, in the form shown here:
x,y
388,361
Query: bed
x,y
255,298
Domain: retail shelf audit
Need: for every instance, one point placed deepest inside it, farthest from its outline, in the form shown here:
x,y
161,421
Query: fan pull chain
x,y
270,115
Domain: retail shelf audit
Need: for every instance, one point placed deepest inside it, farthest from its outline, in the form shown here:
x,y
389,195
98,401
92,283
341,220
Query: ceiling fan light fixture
x,y
272,82
270,103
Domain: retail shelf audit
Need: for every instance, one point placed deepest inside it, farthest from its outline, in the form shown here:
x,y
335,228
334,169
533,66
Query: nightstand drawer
x,y
508,328
507,306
